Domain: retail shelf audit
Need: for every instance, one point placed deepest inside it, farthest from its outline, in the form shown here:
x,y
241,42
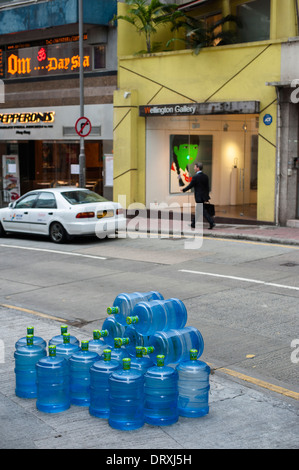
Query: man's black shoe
x,y
211,226
192,225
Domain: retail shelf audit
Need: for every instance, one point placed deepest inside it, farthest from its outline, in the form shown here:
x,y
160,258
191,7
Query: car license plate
x,y
105,213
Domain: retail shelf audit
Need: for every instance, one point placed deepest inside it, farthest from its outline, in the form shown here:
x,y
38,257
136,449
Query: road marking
x,y
33,312
52,251
242,279
260,383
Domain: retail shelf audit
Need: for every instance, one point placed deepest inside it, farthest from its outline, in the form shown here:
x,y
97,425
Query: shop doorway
x,y
227,145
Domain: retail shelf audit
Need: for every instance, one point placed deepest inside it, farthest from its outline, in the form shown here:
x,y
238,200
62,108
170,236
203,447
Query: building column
x,y
288,152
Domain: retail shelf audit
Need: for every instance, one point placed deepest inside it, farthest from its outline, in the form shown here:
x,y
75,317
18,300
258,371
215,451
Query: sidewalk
x,y
242,415
260,233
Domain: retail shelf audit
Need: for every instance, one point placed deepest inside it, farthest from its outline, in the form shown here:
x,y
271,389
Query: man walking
x,y
200,183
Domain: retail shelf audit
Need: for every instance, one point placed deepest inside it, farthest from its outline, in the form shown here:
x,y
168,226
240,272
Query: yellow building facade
x,y
218,101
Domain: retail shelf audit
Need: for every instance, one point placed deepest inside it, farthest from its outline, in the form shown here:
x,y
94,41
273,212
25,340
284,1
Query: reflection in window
x,y
99,61
255,19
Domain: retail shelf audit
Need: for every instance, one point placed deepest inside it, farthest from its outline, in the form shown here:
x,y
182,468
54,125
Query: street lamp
x,y
82,165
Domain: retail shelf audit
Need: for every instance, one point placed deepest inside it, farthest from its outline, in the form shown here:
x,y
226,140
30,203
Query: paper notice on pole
x,y
108,170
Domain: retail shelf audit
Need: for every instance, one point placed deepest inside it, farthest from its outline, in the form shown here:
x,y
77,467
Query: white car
x,y
61,213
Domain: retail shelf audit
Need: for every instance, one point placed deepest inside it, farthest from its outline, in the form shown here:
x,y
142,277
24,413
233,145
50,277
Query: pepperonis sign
x,y
45,60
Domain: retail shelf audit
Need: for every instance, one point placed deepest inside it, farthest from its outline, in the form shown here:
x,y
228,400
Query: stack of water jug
x,y
142,367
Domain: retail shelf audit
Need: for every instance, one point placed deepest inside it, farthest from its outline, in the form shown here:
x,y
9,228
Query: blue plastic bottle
x,y
37,340
100,372
53,390
115,330
126,397
80,363
58,339
161,394
66,349
158,315
124,303
98,343
139,362
175,344
118,353
193,387
135,339
26,358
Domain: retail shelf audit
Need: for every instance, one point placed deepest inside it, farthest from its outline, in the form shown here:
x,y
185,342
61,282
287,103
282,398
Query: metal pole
x,y
82,165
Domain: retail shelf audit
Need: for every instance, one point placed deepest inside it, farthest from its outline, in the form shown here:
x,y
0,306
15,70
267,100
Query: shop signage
x,y
189,109
27,118
46,60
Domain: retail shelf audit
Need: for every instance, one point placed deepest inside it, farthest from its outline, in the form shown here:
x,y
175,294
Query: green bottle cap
x,y
139,351
160,360
148,350
29,340
96,334
84,345
30,330
126,363
132,320
193,354
52,350
112,310
117,342
107,354
66,338
104,333
63,329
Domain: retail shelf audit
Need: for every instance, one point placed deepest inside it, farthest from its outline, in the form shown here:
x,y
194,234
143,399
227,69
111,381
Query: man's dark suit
x,y
200,183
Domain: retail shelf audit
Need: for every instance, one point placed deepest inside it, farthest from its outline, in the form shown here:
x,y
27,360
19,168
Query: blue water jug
x,y
118,353
100,372
126,396
139,362
124,303
135,339
193,385
37,340
66,349
161,394
158,315
53,387
58,339
115,330
98,343
26,358
80,363
175,344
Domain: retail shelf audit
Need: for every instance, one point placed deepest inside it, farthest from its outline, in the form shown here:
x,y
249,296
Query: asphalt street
x,y
241,295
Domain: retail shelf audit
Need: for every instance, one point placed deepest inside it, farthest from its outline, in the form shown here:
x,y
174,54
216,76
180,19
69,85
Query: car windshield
x,y
82,197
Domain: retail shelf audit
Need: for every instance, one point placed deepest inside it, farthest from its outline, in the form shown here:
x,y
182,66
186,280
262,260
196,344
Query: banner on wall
x,y
11,178
185,150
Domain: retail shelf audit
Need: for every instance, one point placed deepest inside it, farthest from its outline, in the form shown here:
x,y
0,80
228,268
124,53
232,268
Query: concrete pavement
x,y
243,415
288,235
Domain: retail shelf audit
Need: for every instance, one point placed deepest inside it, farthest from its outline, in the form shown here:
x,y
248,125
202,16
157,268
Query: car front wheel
x,y
57,233
2,231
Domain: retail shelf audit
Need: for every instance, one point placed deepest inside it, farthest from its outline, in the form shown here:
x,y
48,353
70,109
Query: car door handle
x,y
26,213
50,213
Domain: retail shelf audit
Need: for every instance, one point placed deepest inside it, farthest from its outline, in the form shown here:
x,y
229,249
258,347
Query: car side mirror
x,y
11,204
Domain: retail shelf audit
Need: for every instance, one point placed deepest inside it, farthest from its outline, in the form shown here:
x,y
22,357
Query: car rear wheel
x,y
57,233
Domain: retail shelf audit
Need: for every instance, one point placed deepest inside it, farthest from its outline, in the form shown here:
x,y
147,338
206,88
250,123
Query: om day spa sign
x,y
45,60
